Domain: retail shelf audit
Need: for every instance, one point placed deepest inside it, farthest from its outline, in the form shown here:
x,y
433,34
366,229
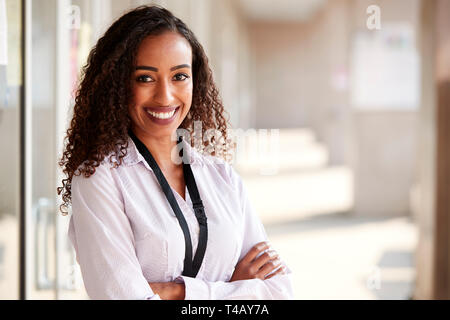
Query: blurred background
x,y
342,110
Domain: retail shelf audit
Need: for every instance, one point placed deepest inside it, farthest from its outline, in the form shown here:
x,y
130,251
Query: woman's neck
x,y
161,149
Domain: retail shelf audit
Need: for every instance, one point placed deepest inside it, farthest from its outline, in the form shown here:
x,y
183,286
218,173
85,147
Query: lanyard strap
x,y
191,267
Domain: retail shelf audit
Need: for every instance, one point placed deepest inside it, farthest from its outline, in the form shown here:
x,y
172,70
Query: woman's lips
x,y
161,110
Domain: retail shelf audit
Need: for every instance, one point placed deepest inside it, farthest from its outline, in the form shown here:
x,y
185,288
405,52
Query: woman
x,y
138,214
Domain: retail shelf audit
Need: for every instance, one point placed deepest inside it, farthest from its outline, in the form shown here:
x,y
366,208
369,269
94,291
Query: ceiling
x,y
280,10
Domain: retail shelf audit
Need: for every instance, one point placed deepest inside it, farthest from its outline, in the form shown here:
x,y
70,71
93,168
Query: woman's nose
x,y
164,93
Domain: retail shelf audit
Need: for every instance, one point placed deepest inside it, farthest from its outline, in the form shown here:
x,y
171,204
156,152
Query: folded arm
x,y
249,280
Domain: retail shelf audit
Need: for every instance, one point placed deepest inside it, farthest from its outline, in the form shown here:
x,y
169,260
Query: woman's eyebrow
x,y
156,69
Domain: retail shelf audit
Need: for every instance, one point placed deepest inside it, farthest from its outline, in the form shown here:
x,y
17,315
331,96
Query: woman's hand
x,y
253,266
168,290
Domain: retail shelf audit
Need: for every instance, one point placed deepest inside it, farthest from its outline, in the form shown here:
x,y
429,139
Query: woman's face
x,y
161,84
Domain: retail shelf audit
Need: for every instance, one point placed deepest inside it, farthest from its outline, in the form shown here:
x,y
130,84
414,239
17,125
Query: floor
x,y
335,256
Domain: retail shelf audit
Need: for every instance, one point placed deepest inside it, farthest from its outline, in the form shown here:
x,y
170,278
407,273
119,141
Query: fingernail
x,y
262,245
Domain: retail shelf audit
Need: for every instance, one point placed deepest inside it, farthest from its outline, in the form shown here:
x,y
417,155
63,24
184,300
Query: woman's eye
x,y
144,78
178,77
182,75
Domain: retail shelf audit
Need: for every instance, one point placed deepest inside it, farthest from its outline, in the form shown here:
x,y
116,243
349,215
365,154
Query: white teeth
x,y
162,115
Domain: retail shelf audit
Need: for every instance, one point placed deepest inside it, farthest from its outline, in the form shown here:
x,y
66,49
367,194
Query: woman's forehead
x,y
168,47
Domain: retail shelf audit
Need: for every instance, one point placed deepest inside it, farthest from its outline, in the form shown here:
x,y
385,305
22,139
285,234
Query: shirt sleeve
x,y
103,240
278,287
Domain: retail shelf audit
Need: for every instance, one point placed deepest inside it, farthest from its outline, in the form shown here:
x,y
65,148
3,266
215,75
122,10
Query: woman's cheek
x,y
187,93
140,95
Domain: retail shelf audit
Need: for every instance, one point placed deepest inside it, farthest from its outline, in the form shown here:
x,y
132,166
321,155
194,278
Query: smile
x,y
162,117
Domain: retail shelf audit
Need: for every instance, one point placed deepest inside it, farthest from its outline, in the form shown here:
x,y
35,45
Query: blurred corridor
x,y
307,208
342,152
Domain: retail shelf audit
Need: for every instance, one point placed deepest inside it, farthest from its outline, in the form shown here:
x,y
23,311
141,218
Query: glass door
x,y
60,36
10,112
56,55
41,253
43,43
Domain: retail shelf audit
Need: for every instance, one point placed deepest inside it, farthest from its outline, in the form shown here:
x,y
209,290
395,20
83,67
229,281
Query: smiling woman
x,y
163,86
143,225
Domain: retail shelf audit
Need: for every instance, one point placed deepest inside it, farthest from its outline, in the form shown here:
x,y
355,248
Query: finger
x,y
264,258
281,270
269,267
253,252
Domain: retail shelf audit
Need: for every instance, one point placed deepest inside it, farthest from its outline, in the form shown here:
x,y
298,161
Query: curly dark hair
x,y
100,122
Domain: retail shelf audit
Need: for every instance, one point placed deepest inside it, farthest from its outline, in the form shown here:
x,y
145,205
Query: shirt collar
x,y
133,156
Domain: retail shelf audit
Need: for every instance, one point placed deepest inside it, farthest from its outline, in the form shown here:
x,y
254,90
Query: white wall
x,y
302,73
297,70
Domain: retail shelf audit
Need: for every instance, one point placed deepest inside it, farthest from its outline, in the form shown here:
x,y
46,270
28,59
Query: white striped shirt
x,y
125,232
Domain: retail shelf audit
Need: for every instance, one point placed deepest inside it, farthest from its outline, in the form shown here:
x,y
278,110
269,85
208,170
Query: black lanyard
x,y
191,267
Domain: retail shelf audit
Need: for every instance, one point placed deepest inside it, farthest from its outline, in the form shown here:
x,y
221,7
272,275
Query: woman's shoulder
x,y
112,160
86,172
95,172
